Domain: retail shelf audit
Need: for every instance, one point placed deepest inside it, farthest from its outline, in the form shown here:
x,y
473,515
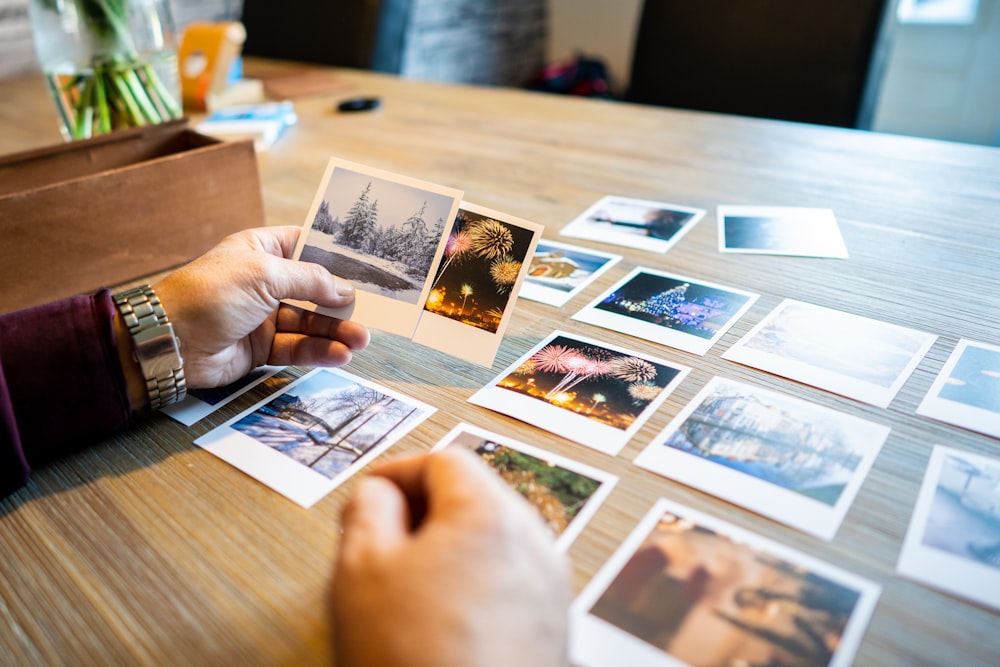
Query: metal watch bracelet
x,y
156,347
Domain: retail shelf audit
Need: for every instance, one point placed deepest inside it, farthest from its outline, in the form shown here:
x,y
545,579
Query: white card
x,y
780,230
846,354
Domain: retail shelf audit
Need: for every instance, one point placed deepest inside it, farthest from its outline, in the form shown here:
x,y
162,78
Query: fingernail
x,y
344,288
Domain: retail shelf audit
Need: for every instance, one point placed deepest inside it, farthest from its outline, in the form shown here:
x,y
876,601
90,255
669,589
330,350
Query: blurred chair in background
x,y
783,59
366,34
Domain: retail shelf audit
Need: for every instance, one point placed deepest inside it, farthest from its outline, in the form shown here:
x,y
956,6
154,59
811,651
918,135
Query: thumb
x,y
306,281
375,519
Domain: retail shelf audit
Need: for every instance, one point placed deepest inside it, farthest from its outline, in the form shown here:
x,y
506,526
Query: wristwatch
x,y
156,347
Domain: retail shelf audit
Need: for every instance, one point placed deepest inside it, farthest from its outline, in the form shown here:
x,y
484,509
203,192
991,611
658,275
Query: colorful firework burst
x,y
490,239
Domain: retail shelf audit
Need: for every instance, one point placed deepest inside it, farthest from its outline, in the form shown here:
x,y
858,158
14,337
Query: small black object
x,y
359,104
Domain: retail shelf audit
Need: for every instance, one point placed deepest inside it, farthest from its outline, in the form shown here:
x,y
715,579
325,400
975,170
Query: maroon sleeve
x,y
61,383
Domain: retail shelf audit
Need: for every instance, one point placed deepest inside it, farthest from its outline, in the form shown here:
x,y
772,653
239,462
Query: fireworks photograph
x,y
482,262
847,354
565,493
788,459
689,589
672,310
585,390
474,290
634,223
315,433
953,541
384,233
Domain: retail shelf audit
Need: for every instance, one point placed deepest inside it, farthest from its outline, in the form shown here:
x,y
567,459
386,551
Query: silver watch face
x,y
157,351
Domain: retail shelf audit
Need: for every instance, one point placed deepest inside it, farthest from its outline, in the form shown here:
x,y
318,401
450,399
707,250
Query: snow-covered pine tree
x,y
323,222
354,232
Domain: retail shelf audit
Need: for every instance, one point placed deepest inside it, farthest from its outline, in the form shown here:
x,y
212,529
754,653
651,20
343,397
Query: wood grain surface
x,y
148,550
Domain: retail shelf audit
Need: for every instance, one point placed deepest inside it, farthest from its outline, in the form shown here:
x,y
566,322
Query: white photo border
x,y
953,412
597,643
828,380
757,495
285,475
680,340
533,291
375,310
580,429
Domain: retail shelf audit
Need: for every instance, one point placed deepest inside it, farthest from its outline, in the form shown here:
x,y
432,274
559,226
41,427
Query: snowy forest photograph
x,y
482,261
381,235
328,420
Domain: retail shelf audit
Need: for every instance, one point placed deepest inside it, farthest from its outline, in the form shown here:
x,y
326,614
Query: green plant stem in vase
x,y
109,64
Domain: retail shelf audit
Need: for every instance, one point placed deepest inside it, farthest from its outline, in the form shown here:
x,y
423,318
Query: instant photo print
x,y
689,589
309,438
788,459
677,311
634,223
383,232
966,392
953,542
475,285
843,353
590,392
565,493
560,271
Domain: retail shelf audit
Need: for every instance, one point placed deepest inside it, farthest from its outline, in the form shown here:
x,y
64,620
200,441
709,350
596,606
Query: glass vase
x,y
109,64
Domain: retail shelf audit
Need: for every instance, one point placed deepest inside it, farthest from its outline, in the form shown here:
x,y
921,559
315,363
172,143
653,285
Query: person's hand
x,y
226,311
442,565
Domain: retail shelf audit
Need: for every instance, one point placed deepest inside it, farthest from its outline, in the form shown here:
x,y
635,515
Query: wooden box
x,y
106,211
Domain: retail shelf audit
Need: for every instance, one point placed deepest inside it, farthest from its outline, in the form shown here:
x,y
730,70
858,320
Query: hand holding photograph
x,y
688,589
565,493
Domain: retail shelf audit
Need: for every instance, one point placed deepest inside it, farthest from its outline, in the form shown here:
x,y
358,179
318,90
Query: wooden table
x,y
148,550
